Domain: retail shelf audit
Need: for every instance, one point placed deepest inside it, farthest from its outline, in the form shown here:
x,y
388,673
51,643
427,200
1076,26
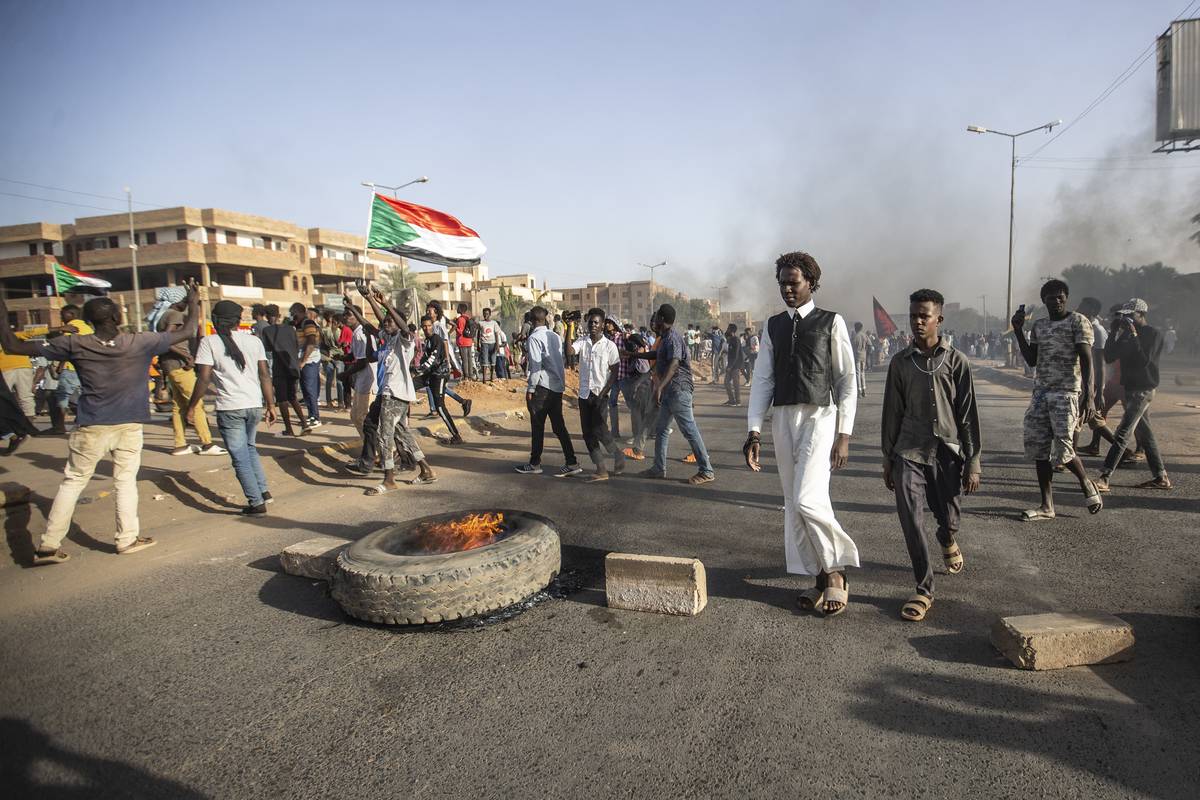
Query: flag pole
x,y
367,237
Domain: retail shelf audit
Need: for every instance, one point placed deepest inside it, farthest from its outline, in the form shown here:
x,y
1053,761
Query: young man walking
x,y
733,366
544,396
115,403
599,360
861,343
308,334
178,364
806,373
283,350
1138,347
931,442
236,363
1060,349
673,387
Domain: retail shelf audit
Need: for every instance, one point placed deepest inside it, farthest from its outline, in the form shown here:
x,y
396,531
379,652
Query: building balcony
x,y
233,255
339,268
27,265
148,255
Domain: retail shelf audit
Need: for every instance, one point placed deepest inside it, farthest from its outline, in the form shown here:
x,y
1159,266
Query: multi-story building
x,y
241,257
473,286
629,302
740,318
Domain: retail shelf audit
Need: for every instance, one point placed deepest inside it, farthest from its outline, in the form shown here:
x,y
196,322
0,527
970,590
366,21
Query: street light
x,y
395,193
720,296
137,291
653,267
395,189
1012,192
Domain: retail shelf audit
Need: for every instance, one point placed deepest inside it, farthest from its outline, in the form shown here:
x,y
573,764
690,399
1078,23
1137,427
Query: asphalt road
x,y
196,669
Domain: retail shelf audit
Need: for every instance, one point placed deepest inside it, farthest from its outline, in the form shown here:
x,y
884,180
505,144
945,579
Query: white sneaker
x,y
213,450
186,450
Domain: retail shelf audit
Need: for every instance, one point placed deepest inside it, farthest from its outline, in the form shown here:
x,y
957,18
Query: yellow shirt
x,y
9,361
82,328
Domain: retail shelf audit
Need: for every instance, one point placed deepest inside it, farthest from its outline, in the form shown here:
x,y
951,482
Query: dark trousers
x,y
1135,422
310,386
546,403
733,382
437,396
366,458
596,434
937,486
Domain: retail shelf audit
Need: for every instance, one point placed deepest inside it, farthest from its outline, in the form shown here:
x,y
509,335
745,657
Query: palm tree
x,y
397,277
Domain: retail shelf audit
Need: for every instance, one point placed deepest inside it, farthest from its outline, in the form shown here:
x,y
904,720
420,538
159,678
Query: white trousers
x,y
813,541
86,448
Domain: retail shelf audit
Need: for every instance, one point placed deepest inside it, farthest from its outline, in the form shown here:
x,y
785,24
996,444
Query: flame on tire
x,y
468,533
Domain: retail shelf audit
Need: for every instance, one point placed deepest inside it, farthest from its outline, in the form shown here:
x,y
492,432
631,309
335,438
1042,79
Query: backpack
x,y
472,330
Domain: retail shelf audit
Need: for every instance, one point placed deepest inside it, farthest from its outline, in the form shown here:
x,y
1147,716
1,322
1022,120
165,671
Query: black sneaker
x,y
261,508
568,470
267,498
530,469
466,408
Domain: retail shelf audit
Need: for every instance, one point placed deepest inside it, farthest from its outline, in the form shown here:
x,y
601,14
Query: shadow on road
x,y
31,765
1140,736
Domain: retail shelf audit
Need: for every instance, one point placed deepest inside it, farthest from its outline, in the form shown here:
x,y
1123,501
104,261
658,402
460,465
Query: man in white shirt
x,y
491,338
812,388
543,395
396,394
598,362
362,374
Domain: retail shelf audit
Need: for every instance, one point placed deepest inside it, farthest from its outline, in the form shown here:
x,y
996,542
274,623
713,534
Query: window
x,y
181,234
112,243
304,285
33,248
295,284
230,237
151,237
210,235
266,240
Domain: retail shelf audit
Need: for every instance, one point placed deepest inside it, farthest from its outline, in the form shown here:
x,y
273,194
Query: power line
x,y
1114,168
72,191
61,202
1117,82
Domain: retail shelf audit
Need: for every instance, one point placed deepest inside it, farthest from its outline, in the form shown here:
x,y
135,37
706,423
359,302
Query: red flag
x,y
883,323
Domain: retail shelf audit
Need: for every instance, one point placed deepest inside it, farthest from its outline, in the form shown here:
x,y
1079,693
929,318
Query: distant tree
x,y
394,278
512,309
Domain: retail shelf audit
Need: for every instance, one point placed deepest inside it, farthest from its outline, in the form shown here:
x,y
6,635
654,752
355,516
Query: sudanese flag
x,y
422,234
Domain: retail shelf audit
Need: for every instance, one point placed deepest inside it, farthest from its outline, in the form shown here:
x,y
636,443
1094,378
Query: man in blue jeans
x,y
308,332
673,397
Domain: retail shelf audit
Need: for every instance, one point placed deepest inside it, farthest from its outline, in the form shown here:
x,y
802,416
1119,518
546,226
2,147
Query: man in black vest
x,y
806,371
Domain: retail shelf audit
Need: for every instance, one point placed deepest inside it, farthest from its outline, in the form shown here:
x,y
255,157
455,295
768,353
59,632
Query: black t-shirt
x,y
281,342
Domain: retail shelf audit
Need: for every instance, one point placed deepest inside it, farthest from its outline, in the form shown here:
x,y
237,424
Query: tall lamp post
x,y
133,248
395,193
653,267
1012,193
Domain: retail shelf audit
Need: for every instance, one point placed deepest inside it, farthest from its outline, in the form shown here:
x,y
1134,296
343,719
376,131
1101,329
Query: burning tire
x,y
446,567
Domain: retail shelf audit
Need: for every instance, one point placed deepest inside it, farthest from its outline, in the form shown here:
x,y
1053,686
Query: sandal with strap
x,y
1036,515
953,558
809,599
837,594
140,543
1093,499
915,609
375,491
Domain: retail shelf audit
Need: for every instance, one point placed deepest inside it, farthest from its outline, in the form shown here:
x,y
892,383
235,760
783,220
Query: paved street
x,y
197,669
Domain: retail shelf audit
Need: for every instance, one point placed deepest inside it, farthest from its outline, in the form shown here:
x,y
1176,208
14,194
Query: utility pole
x,y
133,248
983,297
720,296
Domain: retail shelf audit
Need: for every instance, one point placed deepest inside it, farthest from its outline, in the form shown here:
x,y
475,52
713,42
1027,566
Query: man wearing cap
x,y
1139,348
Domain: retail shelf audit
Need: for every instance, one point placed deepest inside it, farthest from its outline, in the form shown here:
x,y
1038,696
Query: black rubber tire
x,y
373,584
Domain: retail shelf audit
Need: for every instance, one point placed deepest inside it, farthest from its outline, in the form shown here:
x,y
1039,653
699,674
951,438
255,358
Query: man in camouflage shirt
x,y
1059,347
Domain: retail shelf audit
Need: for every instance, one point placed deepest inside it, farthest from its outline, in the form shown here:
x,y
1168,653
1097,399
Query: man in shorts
x,y
1059,348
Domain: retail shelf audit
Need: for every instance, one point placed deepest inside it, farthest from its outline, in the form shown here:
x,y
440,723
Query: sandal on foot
x,y
140,543
1162,484
1036,515
1093,499
53,557
953,558
375,491
837,594
421,480
916,608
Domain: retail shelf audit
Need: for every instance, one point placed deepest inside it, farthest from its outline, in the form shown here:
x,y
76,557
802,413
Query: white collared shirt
x,y
595,361
845,387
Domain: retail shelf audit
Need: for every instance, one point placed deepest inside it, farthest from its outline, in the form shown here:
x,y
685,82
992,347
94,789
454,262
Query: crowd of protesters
x,y
379,365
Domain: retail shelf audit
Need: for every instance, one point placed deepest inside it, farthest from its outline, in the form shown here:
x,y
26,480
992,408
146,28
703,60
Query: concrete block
x,y
661,584
1053,641
313,558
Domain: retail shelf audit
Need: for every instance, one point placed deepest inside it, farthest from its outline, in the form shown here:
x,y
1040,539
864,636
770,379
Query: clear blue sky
x,y
580,139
